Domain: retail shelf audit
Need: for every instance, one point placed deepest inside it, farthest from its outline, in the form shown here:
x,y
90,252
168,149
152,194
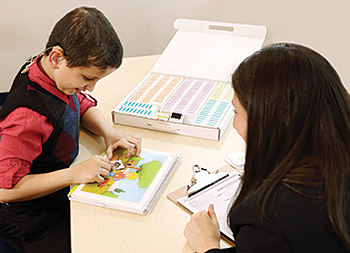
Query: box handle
x,y
163,127
221,28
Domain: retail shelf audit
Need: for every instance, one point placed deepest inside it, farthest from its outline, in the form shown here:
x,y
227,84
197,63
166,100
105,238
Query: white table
x,y
97,229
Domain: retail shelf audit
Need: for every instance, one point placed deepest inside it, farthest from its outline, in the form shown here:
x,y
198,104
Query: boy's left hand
x,y
131,142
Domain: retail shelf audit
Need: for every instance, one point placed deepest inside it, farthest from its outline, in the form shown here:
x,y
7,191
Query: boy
x,y
39,131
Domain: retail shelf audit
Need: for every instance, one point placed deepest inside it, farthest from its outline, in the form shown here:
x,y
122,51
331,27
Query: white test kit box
x,y
188,90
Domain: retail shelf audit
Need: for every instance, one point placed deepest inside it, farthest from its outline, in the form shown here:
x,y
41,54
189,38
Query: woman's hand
x,y
131,142
203,231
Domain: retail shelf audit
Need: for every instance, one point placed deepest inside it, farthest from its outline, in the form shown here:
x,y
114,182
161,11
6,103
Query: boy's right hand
x,y
91,170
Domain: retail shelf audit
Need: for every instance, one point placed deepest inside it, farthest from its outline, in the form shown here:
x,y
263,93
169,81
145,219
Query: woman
x,y
294,114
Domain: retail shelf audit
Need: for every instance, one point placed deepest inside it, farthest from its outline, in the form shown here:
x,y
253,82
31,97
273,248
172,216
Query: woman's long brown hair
x,y
298,128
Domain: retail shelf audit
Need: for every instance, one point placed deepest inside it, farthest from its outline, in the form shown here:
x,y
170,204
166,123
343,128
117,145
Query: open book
x,y
134,183
221,194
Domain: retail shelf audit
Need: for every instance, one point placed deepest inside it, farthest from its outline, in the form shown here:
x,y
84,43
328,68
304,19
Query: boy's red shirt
x,y
23,131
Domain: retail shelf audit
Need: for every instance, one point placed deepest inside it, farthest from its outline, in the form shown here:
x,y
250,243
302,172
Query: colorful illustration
x,y
130,177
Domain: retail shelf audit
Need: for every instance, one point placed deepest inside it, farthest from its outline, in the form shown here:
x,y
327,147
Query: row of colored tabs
x,y
201,102
156,89
139,109
217,115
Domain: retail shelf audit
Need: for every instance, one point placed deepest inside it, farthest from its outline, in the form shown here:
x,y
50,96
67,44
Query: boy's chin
x,y
69,92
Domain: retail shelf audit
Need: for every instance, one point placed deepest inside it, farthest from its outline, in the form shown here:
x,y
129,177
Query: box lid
x,y
209,50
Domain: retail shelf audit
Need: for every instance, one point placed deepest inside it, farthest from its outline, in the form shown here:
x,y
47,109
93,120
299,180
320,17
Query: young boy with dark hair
x,y
39,131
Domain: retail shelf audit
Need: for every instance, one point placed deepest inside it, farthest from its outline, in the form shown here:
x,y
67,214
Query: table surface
x,y
98,229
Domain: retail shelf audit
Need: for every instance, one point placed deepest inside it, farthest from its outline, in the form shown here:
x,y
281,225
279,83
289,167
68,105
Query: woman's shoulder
x,y
298,221
281,199
286,208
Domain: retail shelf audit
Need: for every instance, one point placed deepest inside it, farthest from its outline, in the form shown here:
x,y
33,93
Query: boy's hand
x,y
91,170
131,142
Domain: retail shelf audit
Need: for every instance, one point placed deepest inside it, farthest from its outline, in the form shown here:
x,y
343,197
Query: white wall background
x,y
146,26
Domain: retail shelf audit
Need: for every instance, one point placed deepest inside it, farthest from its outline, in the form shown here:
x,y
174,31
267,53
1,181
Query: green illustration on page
x,y
130,177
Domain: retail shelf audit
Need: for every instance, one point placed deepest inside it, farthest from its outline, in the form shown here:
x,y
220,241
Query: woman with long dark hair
x,y
293,112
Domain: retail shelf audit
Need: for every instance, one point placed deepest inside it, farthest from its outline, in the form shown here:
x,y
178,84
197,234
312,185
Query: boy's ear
x,y
56,57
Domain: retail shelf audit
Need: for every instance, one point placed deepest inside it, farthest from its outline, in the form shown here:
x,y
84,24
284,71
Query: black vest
x,y
61,148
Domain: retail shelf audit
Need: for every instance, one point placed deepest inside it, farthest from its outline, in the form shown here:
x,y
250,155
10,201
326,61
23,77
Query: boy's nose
x,y
90,87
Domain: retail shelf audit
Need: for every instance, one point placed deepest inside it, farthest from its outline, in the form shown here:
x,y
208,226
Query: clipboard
x,y
181,192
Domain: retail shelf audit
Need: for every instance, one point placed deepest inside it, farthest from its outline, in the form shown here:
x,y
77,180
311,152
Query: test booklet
x,y
188,90
134,183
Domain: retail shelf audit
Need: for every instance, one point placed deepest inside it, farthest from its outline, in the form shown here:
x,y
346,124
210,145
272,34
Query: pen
x,y
208,185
